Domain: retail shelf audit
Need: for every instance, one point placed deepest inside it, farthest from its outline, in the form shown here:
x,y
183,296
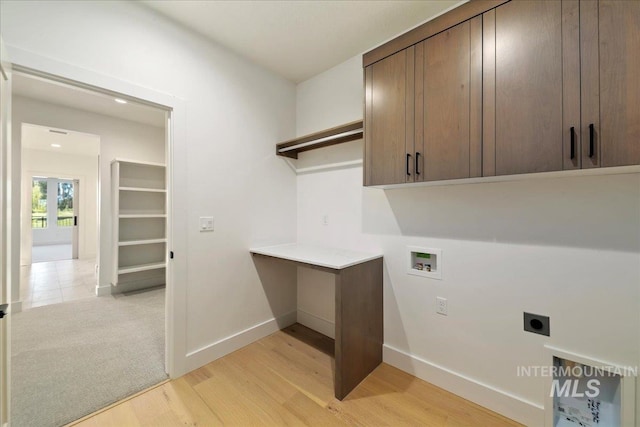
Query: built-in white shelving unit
x,y
139,202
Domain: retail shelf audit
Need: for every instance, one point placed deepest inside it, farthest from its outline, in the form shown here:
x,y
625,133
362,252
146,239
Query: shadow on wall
x,y
596,212
278,281
393,316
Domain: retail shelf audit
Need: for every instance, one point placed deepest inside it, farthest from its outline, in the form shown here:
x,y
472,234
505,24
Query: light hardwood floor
x,y
286,379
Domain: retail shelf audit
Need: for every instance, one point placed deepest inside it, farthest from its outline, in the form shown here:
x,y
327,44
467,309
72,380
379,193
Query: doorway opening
x,y
60,180
59,228
97,324
54,219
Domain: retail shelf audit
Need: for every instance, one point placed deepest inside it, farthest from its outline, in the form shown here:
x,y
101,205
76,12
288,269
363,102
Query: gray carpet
x,y
71,359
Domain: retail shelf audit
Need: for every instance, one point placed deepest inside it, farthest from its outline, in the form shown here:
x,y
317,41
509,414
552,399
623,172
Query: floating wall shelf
x,y
337,135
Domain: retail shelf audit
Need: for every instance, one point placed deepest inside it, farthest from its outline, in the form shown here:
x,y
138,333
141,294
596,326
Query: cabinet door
x,y
449,103
610,39
524,104
389,120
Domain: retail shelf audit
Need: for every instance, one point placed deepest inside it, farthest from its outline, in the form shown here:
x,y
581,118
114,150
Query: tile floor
x,y
46,253
46,283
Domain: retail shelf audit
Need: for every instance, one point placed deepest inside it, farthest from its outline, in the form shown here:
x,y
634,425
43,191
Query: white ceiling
x,y
78,143
299,39
82,99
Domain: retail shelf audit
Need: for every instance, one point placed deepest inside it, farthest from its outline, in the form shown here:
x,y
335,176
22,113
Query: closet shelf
x,y
141,267
141,242
337,135
138,162
142,216
148,190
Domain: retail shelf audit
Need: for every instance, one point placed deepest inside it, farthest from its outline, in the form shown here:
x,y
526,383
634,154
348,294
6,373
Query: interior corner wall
x,y
568,248
234,114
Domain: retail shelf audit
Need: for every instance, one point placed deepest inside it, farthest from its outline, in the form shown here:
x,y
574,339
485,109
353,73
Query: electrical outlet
x,y
325,219
441,306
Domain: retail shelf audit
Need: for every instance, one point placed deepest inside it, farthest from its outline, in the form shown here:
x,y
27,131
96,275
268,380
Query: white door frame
x,y
176,146
75,230
5,236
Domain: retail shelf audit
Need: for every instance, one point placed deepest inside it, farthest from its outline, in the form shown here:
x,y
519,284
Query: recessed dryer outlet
x,y
425,262
537,324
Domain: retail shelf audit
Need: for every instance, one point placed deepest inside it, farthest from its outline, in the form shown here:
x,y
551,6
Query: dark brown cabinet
x,y
423,110
610,72
389,120
500,87
523,75
561,84
448,109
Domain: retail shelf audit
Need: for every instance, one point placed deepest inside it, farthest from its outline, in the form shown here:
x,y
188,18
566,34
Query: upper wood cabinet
x,y
561,85
505,87
610,72
423,110
389,119
448,109
523,82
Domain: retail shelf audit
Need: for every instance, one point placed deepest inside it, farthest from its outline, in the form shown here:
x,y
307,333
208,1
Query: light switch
x,y
206,223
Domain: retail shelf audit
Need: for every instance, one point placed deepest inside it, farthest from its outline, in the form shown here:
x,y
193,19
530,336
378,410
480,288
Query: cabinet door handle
x,y
408,160
573,142
592,140
417,163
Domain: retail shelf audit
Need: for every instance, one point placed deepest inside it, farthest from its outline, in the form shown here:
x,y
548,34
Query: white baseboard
x,y
218,349
499,401
102,291
316,323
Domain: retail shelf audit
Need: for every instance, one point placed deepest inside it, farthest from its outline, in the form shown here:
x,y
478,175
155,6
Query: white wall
x,y
235,113
568,248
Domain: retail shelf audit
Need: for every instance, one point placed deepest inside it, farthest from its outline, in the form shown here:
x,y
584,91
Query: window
x,y
39,203
65,204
